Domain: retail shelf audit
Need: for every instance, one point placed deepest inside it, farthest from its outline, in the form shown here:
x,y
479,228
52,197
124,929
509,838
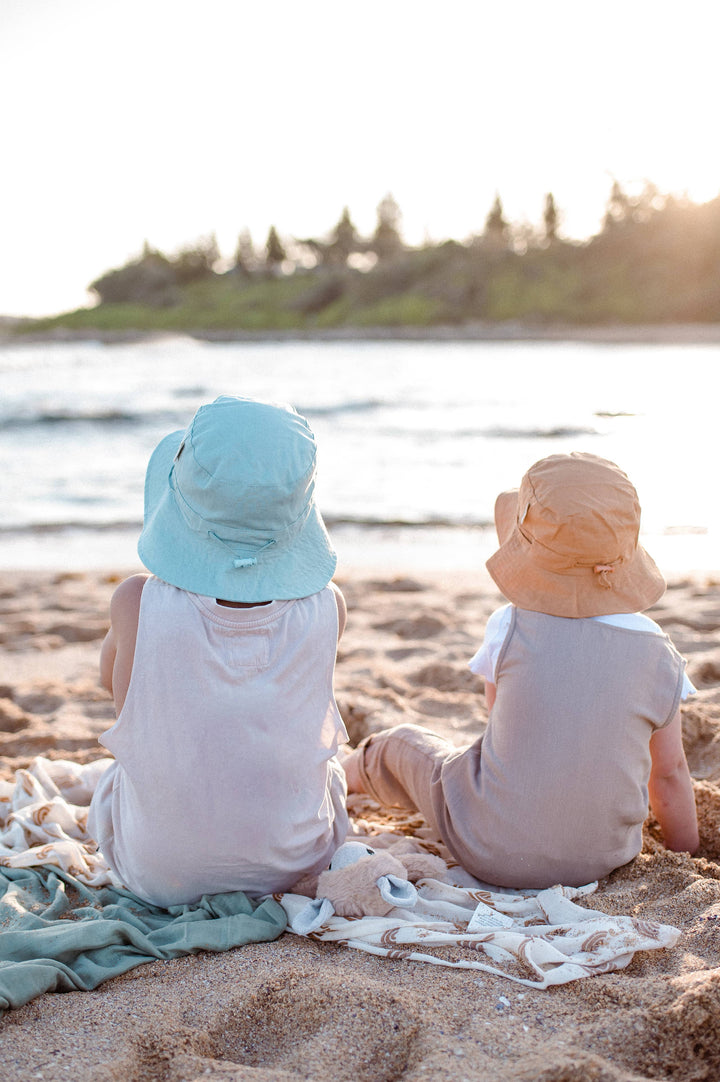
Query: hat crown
x,y
581,508
569,541
229,507
245,466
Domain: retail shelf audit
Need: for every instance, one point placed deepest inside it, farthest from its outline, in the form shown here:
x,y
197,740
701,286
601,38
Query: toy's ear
x,y
349,853
353,890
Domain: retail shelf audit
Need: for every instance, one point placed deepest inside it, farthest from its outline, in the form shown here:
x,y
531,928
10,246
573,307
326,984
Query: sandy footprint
x,y
421,626
446,677
292,1028
12,717
397,586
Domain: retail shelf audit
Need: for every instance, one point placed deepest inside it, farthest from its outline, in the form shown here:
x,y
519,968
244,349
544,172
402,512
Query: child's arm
x,y
107,660
341,607
670,788
118,648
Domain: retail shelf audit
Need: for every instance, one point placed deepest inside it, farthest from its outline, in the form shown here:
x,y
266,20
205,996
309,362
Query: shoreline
x,y
428,550
511,331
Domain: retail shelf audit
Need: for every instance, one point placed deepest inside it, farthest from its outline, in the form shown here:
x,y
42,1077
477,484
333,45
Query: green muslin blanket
x,y
65,925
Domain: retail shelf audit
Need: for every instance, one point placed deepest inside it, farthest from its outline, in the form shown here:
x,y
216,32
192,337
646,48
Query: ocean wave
x,y
332,522
401,522
111,417
554,432
362,406
74,525
156,418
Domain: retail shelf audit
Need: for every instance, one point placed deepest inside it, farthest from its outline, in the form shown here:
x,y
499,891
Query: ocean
x,y
415,438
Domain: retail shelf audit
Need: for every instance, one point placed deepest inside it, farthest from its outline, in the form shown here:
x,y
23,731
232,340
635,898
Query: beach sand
x,y
296,1008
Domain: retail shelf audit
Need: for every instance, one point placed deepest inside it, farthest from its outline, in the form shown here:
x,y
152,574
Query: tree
x,y
275,254
343,241
550,218
648,203
618,209
151,279
386,241
496,227
196,261
245,259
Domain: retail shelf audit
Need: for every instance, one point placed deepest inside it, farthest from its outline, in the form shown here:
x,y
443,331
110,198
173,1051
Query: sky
x,y
125,121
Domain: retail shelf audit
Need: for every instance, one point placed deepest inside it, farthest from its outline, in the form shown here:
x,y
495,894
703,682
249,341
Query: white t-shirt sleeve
x,y
484,662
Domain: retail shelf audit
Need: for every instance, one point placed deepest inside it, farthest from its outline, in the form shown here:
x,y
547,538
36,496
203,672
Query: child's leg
x,y
400,768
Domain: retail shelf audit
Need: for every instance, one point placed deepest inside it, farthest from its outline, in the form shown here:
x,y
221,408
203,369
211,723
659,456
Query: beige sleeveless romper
x,y
225,775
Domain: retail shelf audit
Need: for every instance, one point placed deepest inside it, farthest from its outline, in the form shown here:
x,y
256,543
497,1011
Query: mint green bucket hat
x,y
229,505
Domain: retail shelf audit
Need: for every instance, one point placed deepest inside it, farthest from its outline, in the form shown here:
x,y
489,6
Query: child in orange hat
x,y
584,694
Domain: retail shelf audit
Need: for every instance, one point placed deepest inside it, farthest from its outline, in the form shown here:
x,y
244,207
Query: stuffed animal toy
x,y
362,881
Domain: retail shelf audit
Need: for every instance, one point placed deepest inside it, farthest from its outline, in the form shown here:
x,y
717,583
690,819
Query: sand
x,y
296,1008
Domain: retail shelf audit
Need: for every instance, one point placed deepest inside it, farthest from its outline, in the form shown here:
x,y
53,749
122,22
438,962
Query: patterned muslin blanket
x,y
537,938
48,861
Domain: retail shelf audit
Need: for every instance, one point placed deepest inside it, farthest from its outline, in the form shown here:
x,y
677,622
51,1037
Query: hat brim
x,y
203,565
506,514
577,592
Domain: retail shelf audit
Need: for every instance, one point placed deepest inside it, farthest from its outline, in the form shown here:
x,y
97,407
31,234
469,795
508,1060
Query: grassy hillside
x,y
658,266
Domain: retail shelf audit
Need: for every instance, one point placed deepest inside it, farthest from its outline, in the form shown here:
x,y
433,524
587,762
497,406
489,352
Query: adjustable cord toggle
x,y
603,571
241,561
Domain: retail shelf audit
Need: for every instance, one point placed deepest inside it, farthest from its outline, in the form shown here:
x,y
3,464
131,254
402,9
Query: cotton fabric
x,y
229,505
569,540
549,940
225,775
67,926
484,662
555,791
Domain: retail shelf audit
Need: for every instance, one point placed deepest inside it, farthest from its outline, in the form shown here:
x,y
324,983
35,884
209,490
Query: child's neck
x,y
241,604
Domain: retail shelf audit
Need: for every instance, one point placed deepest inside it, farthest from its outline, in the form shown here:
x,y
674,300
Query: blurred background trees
x,y
654,258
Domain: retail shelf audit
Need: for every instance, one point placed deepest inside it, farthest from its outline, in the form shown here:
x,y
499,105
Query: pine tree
x,y
618,210
343,242
275,254
550,217
245,259
496,227
386,241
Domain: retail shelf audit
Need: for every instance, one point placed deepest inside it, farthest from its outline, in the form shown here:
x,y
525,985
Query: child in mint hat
x,y
221,664
584,692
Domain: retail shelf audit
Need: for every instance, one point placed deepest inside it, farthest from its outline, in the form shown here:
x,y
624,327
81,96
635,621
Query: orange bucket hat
x,y
569,541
